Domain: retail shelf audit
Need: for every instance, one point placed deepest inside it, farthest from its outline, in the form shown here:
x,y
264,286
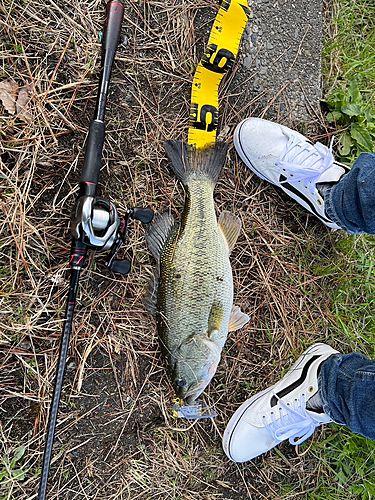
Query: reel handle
x,y
120,266
144,215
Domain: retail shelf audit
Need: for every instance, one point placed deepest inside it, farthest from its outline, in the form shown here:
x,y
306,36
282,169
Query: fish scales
x,y
192,291
195,271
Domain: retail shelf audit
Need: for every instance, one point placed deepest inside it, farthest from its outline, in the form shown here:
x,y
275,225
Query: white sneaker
x,y
279,412
287,159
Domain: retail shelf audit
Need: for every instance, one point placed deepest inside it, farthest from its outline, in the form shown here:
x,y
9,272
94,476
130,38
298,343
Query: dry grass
x,y
116,437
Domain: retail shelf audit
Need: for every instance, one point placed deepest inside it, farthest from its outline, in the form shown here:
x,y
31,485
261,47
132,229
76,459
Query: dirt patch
x,y
116,435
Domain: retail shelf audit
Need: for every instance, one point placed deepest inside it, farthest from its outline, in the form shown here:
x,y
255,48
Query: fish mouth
x,y
194,391
189,399
202,375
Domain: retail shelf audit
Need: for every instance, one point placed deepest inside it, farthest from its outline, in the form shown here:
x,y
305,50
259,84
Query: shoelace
x,y
304,162
295,423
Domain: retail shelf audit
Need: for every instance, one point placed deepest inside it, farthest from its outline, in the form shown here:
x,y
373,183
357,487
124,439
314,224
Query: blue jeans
x,y
351,202
347,389
347,382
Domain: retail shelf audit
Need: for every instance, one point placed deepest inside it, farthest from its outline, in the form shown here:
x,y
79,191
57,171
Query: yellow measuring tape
x,y
219,57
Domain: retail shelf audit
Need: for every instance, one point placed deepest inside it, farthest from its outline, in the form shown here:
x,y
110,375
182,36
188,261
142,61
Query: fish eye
x,y
180,382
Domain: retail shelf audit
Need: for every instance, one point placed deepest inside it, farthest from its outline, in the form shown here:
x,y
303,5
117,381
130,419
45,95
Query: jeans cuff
x,y
327,410
331,213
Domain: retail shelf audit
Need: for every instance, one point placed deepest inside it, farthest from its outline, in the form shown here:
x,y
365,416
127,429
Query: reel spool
x,y
97,225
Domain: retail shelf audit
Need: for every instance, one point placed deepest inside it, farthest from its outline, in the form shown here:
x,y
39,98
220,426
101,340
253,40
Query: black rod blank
x,y
74,278
89,179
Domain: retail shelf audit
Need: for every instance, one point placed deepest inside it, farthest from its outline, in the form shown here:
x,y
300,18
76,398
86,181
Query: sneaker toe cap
x,y
245,442
261,138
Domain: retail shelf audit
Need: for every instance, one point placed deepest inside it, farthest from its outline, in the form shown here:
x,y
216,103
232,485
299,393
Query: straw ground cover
x,y
116,437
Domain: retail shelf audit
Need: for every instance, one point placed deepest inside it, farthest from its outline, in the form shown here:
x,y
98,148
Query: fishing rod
x,y
95,223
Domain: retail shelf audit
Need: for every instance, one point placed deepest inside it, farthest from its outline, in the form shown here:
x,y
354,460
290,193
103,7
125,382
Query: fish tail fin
x,y
185,159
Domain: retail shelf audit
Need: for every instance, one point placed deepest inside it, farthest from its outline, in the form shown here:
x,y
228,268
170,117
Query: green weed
x,y
349,460
356,299
11,471
348,52
354,114
351,276
349,75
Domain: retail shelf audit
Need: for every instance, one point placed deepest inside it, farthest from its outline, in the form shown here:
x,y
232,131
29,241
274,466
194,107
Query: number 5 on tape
x,y
219,57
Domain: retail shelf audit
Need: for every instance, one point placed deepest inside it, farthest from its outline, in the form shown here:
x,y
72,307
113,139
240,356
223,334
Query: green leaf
x,y
334,116
352,109
369,117
346,143
18,454
361,135
369,487
3,473
18,474
354,92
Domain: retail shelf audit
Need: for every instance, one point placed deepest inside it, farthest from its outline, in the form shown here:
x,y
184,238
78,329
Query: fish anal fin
x,y
230,226
237,319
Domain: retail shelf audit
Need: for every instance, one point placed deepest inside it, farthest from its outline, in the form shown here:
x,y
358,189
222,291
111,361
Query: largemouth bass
x,y
192,292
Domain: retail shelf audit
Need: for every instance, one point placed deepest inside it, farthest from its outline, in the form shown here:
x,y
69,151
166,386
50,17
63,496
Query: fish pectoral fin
x,y
151,294
237,319
157,233
230,226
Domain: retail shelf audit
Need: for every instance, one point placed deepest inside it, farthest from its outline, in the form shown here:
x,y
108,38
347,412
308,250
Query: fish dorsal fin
x,y
185,159
237,319
230,226
157,233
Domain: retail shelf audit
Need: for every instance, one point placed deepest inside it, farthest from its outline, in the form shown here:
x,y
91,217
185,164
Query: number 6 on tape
x,y
219,57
